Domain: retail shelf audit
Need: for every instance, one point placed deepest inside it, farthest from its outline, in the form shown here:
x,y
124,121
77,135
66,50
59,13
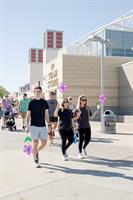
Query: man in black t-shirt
x,y
36,116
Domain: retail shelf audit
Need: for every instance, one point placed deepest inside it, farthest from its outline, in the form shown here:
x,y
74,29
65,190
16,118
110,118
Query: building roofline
x,y
118,22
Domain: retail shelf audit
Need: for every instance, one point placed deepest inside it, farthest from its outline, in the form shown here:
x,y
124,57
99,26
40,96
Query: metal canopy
x,y
122,23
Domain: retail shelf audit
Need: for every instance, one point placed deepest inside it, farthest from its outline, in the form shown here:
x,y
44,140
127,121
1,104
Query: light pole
x,y
96,38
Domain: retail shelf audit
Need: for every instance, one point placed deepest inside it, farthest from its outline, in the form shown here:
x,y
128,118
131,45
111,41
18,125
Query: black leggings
x,y
84,137
66,135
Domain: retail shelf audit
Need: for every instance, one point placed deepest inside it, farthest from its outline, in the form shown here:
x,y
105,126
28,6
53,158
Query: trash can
x,y
109,122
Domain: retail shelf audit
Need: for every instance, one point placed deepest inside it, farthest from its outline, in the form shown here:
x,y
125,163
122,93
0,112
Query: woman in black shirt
x,y
84,125
65,126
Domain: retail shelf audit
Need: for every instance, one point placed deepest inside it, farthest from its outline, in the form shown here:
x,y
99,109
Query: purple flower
x,y
27,149
102,98
62,87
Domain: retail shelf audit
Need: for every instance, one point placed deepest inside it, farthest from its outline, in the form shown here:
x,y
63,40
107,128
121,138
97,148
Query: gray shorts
x,y
38,133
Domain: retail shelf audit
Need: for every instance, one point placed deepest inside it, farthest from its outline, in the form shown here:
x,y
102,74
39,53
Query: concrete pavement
x,y
106,174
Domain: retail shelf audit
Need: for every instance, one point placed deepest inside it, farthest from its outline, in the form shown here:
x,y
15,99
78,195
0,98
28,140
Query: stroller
x,y
9,121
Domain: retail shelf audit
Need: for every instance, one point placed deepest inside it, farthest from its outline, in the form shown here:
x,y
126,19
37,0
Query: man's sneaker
x,y
64,158
36,164
37,157
80,156
84,152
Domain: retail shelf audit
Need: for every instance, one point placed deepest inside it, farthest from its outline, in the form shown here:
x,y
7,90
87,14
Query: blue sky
x,y
22,23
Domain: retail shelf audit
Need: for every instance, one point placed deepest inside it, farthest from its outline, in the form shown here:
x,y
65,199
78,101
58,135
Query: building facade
x,y
35,66
120,43
79,66
125,88
82,76
52,42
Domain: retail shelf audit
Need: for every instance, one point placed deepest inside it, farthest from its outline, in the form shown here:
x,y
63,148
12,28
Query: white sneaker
x,y
64,158
36,165
80,156
84,152
66,154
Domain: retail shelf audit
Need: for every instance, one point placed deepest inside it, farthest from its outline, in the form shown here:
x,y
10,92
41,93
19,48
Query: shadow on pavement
x,y
121,164
103,140
124,134
19,130
88,172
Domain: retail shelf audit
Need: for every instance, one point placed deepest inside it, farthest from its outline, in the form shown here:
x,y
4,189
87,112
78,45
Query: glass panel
x,y
118,43
128,44
108,34
108,51
117,34
121,43
128,35
117,52
129,52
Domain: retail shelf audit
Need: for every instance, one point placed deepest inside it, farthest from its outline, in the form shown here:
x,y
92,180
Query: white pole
x,y
102,83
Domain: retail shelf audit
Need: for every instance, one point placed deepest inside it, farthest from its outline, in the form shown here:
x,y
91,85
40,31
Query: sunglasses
x,y
65,102
83,99
70,99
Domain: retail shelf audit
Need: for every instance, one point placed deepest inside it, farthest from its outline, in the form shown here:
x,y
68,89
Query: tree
x,y
3,91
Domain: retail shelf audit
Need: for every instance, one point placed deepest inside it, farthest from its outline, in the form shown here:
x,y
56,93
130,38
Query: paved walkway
x,y
106,174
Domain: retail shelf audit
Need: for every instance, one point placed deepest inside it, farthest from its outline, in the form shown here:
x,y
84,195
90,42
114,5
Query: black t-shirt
x,y
37,108
65,119
84,117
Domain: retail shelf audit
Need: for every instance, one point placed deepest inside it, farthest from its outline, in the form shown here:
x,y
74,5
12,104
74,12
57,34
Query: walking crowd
x,y
41,118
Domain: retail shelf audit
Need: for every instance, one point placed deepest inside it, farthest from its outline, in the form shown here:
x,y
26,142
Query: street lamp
x,y
96,38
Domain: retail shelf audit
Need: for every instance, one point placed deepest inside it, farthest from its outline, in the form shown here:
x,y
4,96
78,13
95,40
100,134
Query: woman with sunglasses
x,y
84,125
65,126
